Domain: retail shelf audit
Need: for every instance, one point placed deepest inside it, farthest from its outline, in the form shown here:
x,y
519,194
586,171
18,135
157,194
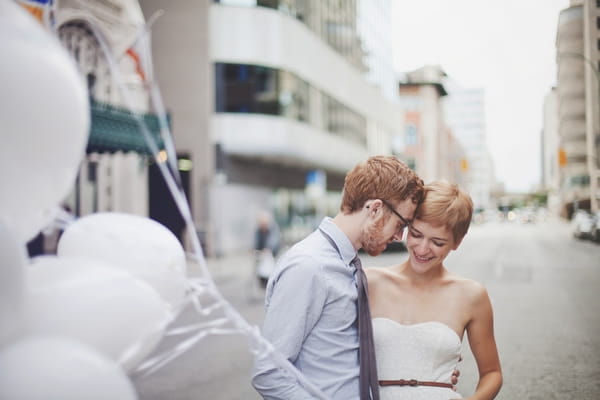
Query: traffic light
x,y
562,157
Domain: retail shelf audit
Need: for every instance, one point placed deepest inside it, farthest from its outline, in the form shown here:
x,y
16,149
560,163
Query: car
x,y
582,224
595,234
395,247
391,247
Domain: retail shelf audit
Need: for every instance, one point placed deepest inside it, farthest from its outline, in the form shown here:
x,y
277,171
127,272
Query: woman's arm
x,y
480,331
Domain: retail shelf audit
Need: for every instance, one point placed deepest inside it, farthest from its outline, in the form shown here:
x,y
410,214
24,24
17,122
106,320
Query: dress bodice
x,y
427,351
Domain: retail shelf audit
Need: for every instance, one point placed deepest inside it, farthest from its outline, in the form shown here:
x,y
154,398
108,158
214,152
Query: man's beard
x,y
373,242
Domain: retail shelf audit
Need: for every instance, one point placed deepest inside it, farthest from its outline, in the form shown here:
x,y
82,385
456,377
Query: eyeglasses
x,y
405,222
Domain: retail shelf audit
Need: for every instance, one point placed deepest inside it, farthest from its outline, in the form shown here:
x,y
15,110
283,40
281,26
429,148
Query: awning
x,y
116,129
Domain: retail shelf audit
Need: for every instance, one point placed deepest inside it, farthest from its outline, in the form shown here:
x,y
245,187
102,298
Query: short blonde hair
x,y
445,204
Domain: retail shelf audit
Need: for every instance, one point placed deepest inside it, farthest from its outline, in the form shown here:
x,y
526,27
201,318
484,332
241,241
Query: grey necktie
x,y
369,385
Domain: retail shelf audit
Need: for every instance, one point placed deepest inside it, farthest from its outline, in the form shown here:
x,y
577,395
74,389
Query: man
x,y
311,310
267,240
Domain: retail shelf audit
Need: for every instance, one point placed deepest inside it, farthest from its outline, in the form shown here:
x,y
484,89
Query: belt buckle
x,y
413,382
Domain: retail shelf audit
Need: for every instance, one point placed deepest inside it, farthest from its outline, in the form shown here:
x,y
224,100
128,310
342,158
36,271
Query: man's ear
x,y
369,205
374,205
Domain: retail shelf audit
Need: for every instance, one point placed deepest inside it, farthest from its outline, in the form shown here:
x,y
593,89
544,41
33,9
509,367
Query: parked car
x,y
583,224
392,247
395,247
596,228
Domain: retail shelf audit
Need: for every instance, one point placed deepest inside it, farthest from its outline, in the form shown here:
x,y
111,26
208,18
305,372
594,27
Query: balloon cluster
x,y
77,324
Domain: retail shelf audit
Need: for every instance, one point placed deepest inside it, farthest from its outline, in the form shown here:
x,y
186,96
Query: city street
x,y
543,285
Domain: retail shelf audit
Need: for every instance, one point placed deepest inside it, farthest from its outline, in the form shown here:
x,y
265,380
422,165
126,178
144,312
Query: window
x,y
80,41
343,121
333,20
245,88
598,22
411,135
293,96
255,89
580,180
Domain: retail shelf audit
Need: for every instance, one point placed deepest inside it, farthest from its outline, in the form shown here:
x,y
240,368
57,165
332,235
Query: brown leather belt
x,y
414,382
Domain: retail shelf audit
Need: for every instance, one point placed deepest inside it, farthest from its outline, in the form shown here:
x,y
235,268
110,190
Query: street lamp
x,y
591,157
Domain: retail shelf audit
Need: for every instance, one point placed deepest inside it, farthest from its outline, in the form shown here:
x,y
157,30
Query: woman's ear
x,y
457,244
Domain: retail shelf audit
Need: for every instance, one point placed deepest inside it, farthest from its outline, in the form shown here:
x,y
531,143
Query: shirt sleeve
x,y
297,299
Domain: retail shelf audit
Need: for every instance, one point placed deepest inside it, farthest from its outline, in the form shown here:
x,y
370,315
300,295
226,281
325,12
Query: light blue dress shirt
x,y
310,318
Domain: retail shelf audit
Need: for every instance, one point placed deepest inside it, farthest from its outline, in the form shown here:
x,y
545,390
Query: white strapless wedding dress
x,y
427,351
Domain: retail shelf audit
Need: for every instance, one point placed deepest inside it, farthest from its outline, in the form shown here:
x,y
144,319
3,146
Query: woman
x,y
421,311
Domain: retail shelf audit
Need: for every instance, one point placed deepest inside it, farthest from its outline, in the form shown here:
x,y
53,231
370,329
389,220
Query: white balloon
x,y
53,368
12,264
137,244
44,111
105,307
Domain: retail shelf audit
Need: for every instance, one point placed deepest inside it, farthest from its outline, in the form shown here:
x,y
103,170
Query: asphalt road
x,y
544,287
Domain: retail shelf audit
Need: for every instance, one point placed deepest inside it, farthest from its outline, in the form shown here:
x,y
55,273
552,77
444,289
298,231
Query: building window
x,y
580,180
411,135
243,88
256,89
410,103
293,96
81,43
333,20
246,89
598,22
597,3
343,121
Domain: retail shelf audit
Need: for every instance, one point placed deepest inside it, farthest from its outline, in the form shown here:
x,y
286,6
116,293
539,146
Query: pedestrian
x,y
267,242
267,235
311,298
421,310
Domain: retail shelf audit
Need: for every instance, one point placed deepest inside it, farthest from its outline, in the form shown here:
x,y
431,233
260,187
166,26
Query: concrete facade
x,y
245,162
430,147
465,114
578,79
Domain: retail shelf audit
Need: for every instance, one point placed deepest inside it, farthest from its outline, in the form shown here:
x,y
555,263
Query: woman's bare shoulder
x,y
469,287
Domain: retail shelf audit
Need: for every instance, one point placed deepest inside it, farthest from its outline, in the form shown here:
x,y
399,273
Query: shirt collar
x,y
347,250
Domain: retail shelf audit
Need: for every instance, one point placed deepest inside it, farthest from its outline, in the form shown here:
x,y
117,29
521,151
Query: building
x,y
551,152
375,29
271,103
578,78
429,146
115,174
465,114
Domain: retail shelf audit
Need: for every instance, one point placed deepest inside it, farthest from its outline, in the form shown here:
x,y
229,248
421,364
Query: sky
x,y
505,47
